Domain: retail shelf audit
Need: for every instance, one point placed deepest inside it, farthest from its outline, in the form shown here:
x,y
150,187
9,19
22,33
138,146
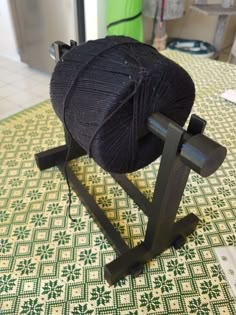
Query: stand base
x,y
129,261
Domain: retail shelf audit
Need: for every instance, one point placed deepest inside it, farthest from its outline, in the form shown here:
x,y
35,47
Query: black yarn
x,y
105,90
69,136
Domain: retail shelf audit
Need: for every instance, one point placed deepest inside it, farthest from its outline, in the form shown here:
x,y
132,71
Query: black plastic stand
x,y
182,152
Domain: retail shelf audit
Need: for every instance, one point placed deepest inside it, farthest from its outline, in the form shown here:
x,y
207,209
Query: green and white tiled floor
x,y
49,265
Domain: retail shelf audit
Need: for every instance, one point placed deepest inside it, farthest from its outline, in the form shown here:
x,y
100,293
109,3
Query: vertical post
x,y
170,184
80,20
220,31
232,55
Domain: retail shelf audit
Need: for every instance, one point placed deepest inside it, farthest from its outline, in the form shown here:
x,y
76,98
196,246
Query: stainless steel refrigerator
x,y
38,23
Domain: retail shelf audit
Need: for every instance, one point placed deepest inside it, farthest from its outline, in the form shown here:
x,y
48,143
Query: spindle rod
x,y
197,151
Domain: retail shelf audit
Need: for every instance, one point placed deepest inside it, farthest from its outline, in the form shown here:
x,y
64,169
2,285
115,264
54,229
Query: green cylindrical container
x,y
124,17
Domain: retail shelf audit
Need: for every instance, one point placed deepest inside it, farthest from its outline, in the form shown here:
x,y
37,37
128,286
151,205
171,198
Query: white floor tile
x,y
33,101
25,84
12,77
13,66
45,81
21,97
7,105
2,83
8,113
20,87
41,89
4,73
6,63
8,90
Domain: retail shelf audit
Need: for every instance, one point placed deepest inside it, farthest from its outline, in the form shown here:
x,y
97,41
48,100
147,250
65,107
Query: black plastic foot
x,y
179,242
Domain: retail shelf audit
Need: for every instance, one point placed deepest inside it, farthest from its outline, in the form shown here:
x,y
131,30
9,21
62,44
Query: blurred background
x,y
29,27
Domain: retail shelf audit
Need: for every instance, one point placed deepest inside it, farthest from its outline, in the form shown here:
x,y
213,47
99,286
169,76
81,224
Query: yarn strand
x,y
65,104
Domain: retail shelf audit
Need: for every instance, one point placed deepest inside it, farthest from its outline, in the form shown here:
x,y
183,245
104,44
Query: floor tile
x,y
8,106
8,90
20,86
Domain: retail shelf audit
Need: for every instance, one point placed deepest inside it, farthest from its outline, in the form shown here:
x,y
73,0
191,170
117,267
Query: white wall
x,y
95,25
8,45
95,19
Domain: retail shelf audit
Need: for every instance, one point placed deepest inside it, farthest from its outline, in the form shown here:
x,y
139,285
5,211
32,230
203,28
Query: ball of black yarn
x,y
105,90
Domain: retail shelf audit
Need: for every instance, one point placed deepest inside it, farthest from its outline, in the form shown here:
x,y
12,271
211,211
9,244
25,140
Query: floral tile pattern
x,y
50,265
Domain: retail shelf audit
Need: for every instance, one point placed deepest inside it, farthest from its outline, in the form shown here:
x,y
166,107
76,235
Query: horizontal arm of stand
x,y
197,151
